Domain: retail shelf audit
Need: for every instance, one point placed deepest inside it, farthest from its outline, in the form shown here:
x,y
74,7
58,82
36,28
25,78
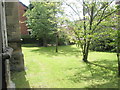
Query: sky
x,y
26,2
67,9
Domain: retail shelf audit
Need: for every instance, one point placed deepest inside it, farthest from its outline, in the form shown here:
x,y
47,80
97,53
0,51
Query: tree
x,y
95,15
57,11
42,20
118,36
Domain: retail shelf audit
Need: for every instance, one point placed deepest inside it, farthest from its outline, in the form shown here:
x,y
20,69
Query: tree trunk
x,y
118,47
85,51
44,42
85,56
57,42
118,57
118,37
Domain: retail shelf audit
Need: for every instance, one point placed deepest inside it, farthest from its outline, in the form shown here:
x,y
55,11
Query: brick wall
x,y
23,27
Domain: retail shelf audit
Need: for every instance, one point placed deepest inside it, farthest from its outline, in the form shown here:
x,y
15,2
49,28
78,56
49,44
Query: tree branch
x,y
101,9
103,19
73,10
87,7
79,39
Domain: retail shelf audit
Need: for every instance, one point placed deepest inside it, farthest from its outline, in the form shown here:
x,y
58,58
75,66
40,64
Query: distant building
x,y
22,19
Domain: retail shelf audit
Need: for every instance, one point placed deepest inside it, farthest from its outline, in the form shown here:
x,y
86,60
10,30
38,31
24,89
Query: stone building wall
x,y
14,36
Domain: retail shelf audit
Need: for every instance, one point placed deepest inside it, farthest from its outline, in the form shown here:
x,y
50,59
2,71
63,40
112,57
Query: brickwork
x,y
22,19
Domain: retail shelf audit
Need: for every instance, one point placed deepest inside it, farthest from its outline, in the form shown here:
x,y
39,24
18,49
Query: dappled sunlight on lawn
x,y
65,69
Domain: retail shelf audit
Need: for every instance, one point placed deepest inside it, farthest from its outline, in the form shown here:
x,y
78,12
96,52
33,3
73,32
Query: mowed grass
x,y
47,69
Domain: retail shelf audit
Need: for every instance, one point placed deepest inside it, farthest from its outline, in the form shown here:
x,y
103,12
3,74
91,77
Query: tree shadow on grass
x,y
96,76
111,65
20,80
62,50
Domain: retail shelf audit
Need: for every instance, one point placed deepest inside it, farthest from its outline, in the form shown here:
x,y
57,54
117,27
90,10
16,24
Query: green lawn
x,y
65,69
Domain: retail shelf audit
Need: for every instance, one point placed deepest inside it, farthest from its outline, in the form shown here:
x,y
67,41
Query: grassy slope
x,y
47,69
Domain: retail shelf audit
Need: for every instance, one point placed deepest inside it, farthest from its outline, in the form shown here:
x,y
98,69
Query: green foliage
x,y
103,45
38,20
43,20
98,23
26,39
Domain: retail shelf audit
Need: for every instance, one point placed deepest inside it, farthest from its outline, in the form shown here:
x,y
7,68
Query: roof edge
x,y
23,4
